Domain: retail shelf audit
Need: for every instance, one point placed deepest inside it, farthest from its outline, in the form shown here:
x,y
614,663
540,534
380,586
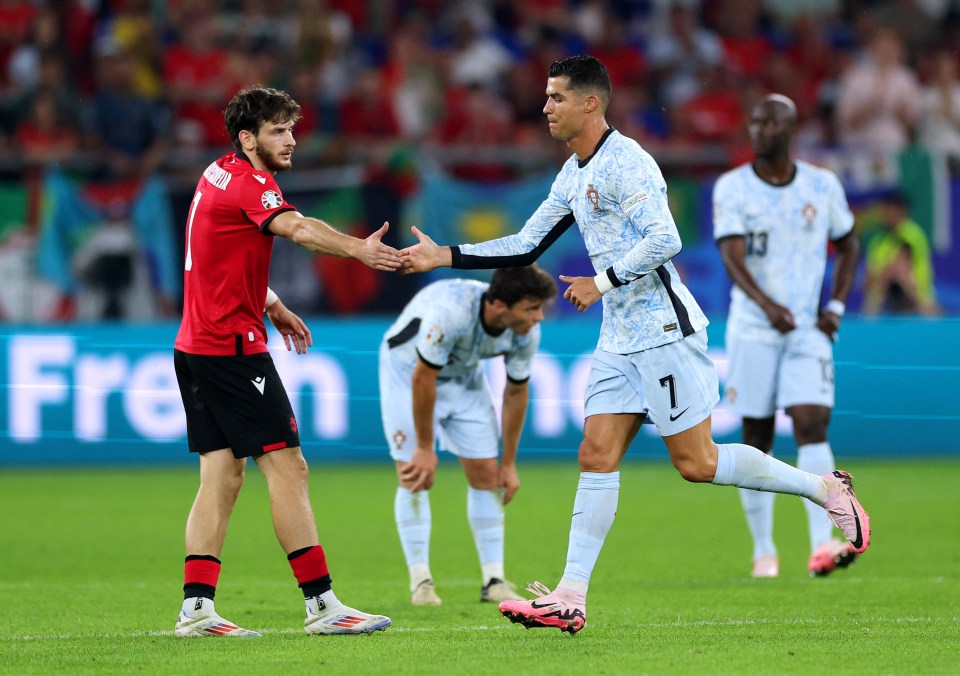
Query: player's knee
x,y
693,470
485,481
596,458
232,484
810,431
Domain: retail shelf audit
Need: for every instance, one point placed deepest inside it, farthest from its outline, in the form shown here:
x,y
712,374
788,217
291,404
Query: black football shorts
x,y
235,402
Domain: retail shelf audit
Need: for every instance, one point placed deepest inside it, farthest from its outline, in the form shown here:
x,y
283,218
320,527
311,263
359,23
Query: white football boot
x,y
330,616
198,617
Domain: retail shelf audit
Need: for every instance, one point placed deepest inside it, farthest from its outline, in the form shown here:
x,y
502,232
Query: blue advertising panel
x,y
107,393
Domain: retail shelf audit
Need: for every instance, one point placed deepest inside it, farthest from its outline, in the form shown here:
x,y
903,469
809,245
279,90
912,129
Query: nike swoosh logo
x,y
858,541
534,604
674,418
259,383
262,180
575,513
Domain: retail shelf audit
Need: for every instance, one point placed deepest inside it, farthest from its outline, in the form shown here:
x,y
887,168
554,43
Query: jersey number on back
x,y
188,263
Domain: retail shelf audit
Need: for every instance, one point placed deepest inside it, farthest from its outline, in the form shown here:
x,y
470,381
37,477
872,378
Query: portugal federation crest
x,y
593,196
271,199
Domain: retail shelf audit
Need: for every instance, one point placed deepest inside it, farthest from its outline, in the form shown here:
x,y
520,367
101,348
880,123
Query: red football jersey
x,y
227,261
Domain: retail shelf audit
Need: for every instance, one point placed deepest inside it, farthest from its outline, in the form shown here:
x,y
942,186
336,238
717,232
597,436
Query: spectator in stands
x,y
878,103
127,131
477,58
914,21
679,52
196,86
112,273
16,17
44,135
413,80
476,119
713,114
745,46
366,114
134,28
940,106
899,266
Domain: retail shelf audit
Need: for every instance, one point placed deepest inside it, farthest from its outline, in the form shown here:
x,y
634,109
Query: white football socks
x,y
412,513
746,467
758,508
816,459
485,514
323,604
593,512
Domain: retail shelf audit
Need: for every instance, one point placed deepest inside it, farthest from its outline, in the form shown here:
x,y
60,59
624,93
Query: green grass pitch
x,y
91,570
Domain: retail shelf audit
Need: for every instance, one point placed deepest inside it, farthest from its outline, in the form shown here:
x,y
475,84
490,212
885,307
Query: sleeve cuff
x,y
456,258
606,280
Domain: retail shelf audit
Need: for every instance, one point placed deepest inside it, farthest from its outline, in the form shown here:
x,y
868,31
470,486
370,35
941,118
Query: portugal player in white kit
x,y
651,359
773,219
236,405
432,388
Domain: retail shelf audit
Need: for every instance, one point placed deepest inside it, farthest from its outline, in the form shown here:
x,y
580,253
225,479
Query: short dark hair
x,y
252,107
586,73
512,285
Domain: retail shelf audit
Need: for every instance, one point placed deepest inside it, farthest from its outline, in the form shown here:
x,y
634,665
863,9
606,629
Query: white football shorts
x,y
675,384
464,417
763,377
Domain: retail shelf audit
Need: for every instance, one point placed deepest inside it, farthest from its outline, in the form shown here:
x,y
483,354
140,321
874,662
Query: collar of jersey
x,y
582,163
486,329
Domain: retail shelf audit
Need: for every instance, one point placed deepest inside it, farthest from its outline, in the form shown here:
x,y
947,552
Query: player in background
x,y
651,358
236,406
773,219
432,383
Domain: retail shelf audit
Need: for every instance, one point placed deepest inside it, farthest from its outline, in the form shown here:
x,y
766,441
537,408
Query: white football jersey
x,y
442,325
618,199
786,229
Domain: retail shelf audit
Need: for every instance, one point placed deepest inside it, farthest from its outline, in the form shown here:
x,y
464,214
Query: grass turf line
x,y
92,568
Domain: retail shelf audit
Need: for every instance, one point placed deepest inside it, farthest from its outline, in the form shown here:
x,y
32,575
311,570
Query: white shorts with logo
x,y
465,420
763,377
675,385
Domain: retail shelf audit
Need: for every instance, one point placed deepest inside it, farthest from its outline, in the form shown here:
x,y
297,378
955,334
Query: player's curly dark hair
x,y
587,74
252,107
512,285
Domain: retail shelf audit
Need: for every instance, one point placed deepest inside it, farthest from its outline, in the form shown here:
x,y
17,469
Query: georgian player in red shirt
x,y
236,406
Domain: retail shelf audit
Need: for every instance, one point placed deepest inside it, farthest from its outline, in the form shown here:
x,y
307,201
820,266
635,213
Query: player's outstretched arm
x,y
318,236
295,333
424,256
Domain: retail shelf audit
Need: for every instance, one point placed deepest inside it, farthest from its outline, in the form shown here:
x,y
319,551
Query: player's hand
x,y
582,292
780,317
829,323
424,256
377,255
508,480
295,333
420,471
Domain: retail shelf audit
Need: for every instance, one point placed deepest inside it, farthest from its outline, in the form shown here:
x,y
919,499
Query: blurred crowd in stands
x,y
122,88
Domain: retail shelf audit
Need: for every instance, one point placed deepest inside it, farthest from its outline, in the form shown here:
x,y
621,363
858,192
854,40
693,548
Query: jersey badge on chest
x,y
593,196
809,213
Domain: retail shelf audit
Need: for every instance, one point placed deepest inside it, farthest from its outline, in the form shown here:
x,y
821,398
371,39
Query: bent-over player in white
x,y
432,384
651,359
773,219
